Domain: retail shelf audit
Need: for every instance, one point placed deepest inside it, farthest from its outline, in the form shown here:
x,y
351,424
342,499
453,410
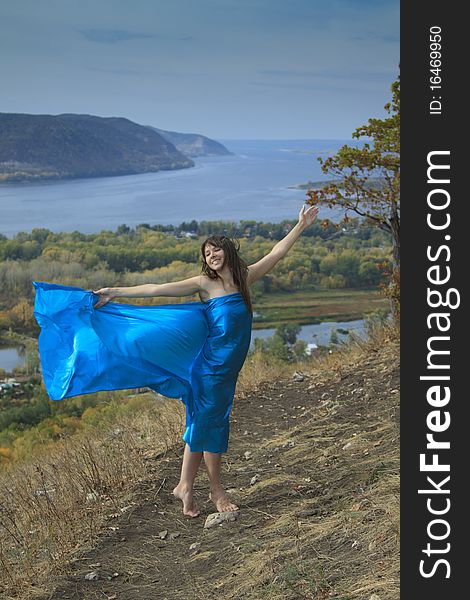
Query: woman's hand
x,y
106,295
307,217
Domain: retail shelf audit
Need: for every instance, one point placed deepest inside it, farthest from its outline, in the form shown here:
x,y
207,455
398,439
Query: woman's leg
x,y
217,494
184,489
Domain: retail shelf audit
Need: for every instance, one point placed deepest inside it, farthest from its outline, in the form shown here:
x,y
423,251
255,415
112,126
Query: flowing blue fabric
x,y
192,351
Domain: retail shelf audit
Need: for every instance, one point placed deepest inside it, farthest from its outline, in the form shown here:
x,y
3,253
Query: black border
x,y
422,132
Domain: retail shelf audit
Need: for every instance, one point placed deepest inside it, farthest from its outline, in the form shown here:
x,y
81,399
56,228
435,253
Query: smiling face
x,y
214,257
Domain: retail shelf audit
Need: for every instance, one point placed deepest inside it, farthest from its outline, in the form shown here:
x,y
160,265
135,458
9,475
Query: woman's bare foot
x,y
186,495
221,500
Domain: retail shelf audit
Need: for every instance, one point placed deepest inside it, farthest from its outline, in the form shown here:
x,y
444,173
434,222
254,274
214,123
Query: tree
x,y
333,336
288,332
299,350
367,181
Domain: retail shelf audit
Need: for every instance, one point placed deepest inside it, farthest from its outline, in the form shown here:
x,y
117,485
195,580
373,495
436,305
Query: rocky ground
x,y
313,466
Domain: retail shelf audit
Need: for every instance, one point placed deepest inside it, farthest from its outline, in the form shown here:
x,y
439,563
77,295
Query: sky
x,y
228,69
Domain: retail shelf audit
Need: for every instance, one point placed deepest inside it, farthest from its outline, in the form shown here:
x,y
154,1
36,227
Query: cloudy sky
x,y
230,69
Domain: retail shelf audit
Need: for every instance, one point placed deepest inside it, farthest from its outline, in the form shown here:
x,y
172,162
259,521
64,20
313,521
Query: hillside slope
x,y
69,145
193,144
318,497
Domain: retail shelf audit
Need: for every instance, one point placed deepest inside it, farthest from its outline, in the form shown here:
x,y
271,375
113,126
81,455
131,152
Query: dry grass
x,y
259,369
334,550
333,527
58,501
343,541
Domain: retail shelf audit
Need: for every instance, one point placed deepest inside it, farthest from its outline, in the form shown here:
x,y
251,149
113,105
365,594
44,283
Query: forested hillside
x,y
62,146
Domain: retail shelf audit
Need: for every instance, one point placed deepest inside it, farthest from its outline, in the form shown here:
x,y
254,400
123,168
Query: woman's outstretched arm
x,y
185,287
264,265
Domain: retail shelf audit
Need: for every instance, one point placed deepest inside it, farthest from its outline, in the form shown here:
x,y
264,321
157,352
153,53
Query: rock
x,y
254,479
248,454
162,534
346,446
291,444
298,376
92,576
43,492
217,518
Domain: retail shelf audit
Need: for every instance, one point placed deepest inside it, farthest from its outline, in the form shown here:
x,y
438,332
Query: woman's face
x,y
214,257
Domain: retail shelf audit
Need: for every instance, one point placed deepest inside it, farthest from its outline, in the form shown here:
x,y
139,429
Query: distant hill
x,y
69,145
193,144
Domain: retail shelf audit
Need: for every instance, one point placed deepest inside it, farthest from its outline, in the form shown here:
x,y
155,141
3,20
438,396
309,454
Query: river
x,y
252,184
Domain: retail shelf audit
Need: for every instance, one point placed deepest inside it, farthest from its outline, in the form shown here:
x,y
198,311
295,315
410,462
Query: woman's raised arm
x,y
185,287
265,264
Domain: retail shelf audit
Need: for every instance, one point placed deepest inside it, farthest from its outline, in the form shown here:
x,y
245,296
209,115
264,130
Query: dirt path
x,y
300,473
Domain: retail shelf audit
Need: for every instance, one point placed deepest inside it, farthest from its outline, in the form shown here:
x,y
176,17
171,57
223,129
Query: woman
x,y
204,349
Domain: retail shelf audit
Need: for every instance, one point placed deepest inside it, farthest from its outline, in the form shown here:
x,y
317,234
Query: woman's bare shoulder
x,y
205,282
204,287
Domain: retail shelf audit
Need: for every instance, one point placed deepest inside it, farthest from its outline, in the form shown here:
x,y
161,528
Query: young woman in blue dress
x,y
223,286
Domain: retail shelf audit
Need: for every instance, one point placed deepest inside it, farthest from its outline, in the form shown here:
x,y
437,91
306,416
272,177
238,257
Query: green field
x,y
311,306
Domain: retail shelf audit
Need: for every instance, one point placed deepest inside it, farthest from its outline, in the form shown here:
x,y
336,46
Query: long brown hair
x,y
236,264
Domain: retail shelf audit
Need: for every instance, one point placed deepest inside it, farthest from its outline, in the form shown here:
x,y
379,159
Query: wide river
x,y
251,184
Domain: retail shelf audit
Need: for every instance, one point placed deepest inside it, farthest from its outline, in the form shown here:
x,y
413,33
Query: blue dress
x,y
192,351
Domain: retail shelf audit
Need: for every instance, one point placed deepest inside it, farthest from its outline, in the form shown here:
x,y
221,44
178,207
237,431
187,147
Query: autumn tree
x,y
366,181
